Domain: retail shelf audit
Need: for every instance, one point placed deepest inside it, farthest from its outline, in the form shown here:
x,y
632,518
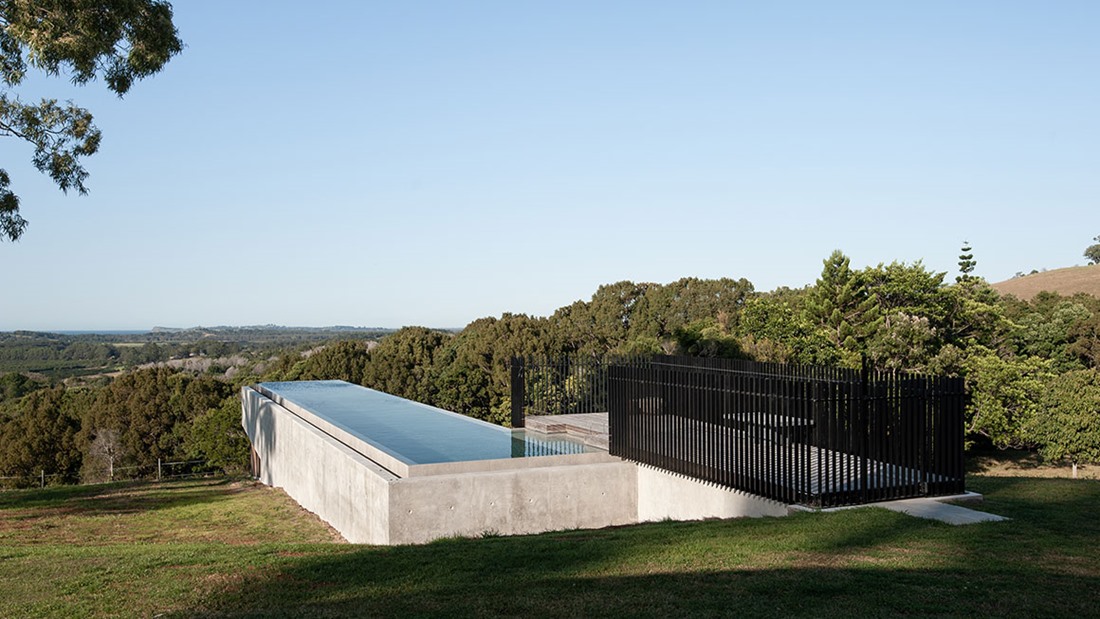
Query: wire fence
x,y
160,471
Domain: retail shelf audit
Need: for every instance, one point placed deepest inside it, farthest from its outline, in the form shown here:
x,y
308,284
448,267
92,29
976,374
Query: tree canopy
x,y
118,41
1092,252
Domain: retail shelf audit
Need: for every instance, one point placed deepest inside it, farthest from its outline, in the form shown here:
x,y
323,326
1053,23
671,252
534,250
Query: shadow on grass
x,y
121,497
864,562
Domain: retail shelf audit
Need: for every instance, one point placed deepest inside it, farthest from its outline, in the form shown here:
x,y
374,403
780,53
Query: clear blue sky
x,y
395,163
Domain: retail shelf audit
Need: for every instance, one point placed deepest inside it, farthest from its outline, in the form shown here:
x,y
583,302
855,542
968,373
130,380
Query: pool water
x,y
416,433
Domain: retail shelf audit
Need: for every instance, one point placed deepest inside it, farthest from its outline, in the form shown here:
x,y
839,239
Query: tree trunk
x,y
1075,469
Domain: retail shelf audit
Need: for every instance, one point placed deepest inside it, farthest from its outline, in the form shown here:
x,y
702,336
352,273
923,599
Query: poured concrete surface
x,y
937,509
370,503
932,508
663,495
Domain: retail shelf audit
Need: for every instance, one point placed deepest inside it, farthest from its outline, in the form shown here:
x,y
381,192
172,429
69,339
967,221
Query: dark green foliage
x,y
144,415
119,41
1069,426
975,315
473,368
1084,341
14,385
42,436
403,364
217,437
842,308
966,263
708,338
1006,396
670,308
1048,333
1092,252
345,360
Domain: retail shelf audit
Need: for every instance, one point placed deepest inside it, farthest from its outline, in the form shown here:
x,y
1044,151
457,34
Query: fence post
x,y
518,392
158,469
864,427
43,474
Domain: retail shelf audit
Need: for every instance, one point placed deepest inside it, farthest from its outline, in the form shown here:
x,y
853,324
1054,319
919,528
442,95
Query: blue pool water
x,y
415,433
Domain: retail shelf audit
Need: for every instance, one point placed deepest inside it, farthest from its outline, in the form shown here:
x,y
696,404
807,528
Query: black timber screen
x,y
816,436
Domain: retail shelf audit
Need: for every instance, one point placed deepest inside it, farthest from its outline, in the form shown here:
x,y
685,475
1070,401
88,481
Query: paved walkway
x,y
936,509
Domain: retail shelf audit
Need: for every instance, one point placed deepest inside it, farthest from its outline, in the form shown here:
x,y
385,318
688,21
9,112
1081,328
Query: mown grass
x,y
234,549
1019,463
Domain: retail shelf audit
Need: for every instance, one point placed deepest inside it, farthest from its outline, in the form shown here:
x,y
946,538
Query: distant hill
x,y
1066,282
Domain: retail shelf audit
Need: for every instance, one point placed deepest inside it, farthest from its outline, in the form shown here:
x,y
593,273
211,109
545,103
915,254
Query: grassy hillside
x,y
234,549
1068,281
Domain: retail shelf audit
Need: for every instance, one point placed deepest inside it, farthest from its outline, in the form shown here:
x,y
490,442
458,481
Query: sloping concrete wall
x,y
345,489
664,495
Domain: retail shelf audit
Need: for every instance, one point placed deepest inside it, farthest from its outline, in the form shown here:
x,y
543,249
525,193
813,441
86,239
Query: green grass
x,y
231,548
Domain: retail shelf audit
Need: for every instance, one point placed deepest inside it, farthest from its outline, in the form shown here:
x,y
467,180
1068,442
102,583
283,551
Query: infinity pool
x,y
411,432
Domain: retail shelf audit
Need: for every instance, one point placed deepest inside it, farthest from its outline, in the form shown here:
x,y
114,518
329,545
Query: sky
x,y
429,163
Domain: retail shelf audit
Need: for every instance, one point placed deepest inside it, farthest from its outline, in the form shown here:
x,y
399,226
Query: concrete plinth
x,y
370,503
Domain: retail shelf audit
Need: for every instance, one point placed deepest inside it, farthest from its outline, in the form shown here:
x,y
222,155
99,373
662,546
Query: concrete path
x,y
936,509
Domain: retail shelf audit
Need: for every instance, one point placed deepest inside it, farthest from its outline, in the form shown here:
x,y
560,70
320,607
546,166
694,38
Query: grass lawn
x,y
213,548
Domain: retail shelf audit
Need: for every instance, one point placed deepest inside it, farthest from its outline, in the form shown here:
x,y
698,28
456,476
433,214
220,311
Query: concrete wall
x,y
369,504
664,495
345,489
528,500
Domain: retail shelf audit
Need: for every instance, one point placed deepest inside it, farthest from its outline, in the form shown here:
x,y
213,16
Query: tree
x,y
966,263
1069,426
474,368
145,415
1085,342
1048,332
42,436
1005,395
842,309
1092,252
403,364
217,437
120,41
346,360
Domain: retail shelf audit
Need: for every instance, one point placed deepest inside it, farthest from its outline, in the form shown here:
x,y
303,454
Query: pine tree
x,y
842,309
966,263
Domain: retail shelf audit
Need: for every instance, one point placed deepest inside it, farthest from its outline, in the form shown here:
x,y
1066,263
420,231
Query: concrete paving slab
x,y
936,509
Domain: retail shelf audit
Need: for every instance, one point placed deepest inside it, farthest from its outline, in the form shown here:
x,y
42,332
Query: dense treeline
x,y
167,400
1031,366
1014,354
